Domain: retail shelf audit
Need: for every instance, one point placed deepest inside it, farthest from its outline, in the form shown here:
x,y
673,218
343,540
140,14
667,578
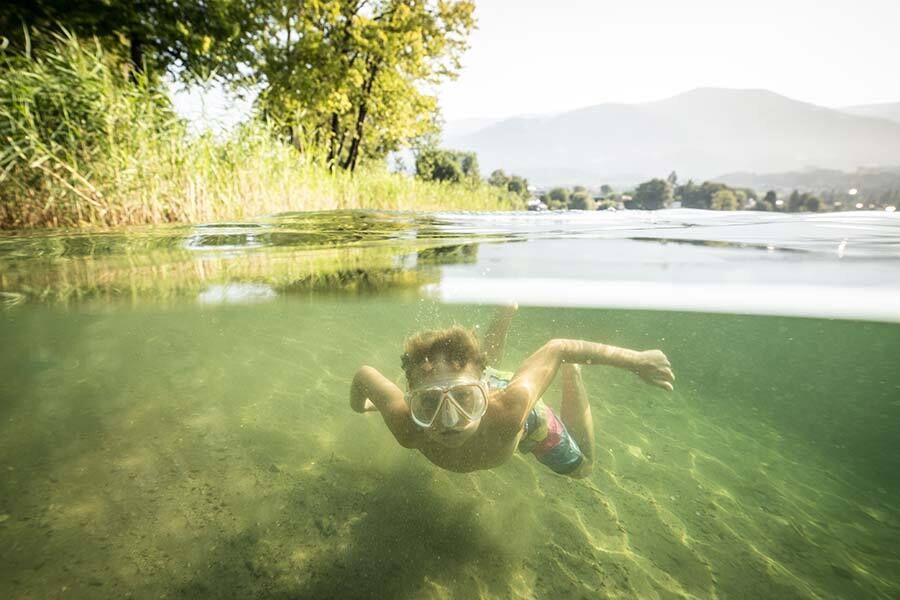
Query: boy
x,y
465,416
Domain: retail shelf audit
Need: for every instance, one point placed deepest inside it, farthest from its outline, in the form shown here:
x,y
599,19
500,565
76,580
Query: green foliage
x,y
85,144
557,198
581,200
347,75
518,185
803,202
725,200
435,164
190,37
606,190
559,194
344,78
698,196
652,195
65,117
768,202
499,179
513,183
607,204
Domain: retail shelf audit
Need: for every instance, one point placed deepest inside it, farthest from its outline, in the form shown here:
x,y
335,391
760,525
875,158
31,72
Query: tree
x,y
518,185
190,38
581,200
810,202
725,200
606,190
558,197
607,204
347,76
468,162
804,202
768,202
672,179
435,164
694,196
652,195
513,183
499,179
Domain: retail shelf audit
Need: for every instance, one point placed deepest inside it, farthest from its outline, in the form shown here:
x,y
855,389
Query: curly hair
x,y
456,345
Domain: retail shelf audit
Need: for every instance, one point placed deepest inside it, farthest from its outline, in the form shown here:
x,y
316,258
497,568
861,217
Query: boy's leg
x,y
495,338
576,415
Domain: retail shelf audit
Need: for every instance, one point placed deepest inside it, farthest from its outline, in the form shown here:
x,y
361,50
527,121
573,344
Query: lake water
x,y
174,418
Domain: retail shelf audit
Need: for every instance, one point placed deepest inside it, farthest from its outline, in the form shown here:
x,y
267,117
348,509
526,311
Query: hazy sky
x,y
538,56
535,56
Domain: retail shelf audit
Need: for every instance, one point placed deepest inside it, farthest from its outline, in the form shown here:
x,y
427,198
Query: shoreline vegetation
x,y
87,144
89,137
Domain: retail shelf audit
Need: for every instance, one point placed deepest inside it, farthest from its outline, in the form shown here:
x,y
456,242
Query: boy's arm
x,y
534,376
495,338
371,390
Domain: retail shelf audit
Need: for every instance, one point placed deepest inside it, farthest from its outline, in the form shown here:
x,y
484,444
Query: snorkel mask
x,y
451,404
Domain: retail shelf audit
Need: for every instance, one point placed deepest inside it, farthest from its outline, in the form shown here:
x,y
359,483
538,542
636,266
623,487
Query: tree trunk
x,y
353,154
334,151
296,139
136,52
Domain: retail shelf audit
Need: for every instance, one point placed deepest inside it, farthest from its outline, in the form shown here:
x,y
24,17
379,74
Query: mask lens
x,y
425,405
469,398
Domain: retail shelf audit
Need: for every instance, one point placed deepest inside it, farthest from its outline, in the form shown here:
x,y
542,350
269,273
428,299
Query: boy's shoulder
x,y
507,410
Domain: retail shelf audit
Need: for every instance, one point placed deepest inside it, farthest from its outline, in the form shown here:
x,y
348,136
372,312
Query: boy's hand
x,y
654,368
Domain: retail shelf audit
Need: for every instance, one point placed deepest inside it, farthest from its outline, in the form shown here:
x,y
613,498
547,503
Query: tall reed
x,y
81,144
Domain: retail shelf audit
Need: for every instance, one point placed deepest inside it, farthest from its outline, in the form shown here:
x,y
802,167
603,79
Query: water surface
x,y
174,418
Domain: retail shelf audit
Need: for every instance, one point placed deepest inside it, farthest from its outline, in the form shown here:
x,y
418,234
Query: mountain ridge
x,y
700,133
884,110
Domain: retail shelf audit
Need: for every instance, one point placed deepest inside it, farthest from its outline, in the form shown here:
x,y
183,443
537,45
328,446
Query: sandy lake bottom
x,y
209,452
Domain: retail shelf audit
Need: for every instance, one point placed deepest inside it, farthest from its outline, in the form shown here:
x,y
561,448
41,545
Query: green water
x,y
165,435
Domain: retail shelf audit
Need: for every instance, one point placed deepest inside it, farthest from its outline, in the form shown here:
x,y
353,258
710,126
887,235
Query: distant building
x,y
535,204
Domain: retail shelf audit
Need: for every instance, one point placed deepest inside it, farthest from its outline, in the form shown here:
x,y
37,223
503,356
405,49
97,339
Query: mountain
x,y
459,127
699,134
889,111
817,180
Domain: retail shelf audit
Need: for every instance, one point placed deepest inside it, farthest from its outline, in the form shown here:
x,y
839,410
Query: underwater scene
x,y
175,418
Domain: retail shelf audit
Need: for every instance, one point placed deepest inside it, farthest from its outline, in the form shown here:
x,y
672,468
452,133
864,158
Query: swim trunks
x,y
545,434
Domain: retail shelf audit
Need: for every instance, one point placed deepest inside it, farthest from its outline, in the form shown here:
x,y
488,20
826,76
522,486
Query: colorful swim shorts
x,y
545,435
548,439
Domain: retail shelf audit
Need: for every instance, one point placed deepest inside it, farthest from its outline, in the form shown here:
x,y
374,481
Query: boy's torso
x,y
492,445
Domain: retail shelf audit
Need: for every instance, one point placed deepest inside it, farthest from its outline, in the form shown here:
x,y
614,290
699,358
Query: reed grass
x,y
82,145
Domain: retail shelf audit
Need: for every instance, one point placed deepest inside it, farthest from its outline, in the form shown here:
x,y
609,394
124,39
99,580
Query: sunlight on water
x,y
175,419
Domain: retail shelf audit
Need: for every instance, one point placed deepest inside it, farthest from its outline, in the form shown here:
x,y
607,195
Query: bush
x,y
652,195
64,118
581,200
725,200
85,145
435,164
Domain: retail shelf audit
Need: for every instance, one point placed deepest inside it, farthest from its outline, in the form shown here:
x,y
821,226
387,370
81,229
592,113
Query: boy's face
x,y
450,427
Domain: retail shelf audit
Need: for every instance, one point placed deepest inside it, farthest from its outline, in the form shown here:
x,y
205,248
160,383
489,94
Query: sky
x,y
537,56
546,56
